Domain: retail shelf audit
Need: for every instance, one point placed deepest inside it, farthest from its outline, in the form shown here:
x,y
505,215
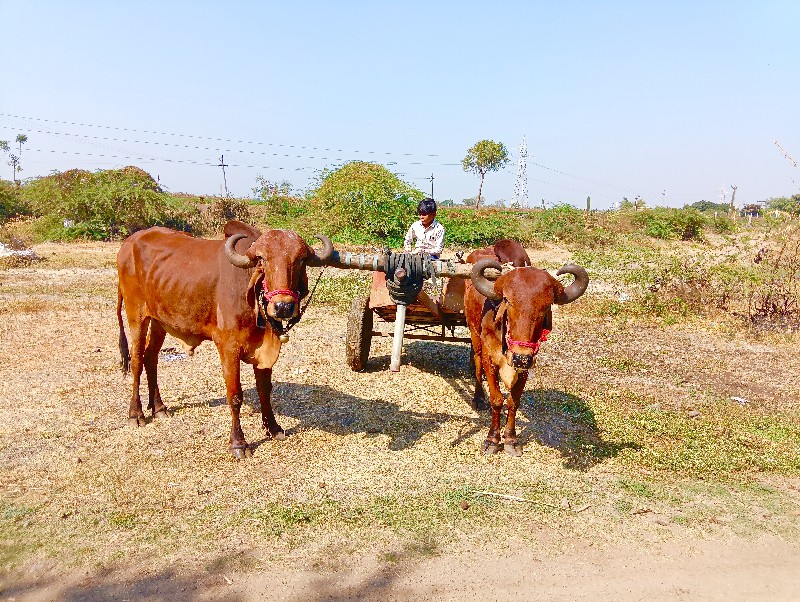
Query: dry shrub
x,y
774,300
18,261
212,217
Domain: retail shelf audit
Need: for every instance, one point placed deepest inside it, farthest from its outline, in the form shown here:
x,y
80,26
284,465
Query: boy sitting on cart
x,y
427,230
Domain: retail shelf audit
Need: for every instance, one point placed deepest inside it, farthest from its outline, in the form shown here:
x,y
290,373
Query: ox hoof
x,y
163,413
490,447
137,421
279,436
241,453
513,449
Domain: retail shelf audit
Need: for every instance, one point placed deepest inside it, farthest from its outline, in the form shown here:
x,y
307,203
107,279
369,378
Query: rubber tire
x,y
359,333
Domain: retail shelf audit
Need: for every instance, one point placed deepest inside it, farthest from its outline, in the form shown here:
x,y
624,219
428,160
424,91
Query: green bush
x,y
364,203
671,224
562,223
468,228
100,205
11,204
45,195
722,224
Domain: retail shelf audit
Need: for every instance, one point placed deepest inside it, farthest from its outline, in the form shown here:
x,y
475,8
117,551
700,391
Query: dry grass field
x,y
633,442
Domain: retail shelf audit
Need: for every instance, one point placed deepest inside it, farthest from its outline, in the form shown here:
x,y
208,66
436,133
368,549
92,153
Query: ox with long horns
x,y
199,290
508,319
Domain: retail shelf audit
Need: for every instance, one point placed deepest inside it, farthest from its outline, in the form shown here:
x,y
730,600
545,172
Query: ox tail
x,y
124,352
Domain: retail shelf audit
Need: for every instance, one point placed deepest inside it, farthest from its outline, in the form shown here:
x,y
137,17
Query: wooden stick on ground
x,y
515,498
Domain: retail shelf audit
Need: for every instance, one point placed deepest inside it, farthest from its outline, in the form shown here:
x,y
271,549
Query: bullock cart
x,y
427,318
397,297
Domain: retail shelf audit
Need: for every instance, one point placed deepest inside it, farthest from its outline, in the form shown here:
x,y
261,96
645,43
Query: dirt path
x,y
677,570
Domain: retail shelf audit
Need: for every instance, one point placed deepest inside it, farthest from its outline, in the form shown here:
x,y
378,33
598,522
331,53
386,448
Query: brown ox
x,y
507,320
199,290
504,251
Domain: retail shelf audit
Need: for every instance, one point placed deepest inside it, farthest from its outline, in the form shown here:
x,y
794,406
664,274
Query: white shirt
x,y
429,240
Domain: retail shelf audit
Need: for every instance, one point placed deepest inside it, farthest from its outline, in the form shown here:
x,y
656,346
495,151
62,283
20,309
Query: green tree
x,y
709,206
485,156
265,188
277,197
636,204
14,160
788,204
20,140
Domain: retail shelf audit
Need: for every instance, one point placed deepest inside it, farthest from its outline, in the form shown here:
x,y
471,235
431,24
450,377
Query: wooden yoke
x,y
439,268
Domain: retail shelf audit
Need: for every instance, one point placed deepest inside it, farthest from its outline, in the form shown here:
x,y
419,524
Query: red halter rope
x,y
281,291
528,344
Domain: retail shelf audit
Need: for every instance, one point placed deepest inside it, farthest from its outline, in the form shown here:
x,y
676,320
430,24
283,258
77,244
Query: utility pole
x,y
521,185
431,180
224,179
733,196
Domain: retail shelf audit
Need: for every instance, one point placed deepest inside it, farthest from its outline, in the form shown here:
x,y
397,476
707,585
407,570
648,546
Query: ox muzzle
x,y
521,361
282,310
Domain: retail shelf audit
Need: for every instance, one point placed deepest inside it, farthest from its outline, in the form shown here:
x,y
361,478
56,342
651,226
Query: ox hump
x,y
236,227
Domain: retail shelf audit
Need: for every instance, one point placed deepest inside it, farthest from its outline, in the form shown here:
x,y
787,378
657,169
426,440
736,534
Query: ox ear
x,y
236,227
302,284
547,323
501,312
255,281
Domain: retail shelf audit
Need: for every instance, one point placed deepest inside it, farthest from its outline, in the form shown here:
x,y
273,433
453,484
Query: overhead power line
x,y
150,159
226,140
786,155
99,140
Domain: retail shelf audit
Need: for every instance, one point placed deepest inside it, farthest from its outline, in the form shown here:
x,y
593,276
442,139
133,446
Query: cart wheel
x,y
359,333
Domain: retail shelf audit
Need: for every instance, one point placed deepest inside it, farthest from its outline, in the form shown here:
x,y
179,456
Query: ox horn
x,y
578,286
481,282
323,257
240,261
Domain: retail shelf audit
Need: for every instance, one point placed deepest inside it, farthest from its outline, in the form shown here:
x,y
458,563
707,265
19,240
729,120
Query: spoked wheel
x,y
359,333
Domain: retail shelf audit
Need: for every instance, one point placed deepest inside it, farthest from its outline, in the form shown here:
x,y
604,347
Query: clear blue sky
x,y
668,100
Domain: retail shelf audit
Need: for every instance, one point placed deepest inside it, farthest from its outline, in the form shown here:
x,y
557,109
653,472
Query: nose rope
x,y
528,344
281,291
